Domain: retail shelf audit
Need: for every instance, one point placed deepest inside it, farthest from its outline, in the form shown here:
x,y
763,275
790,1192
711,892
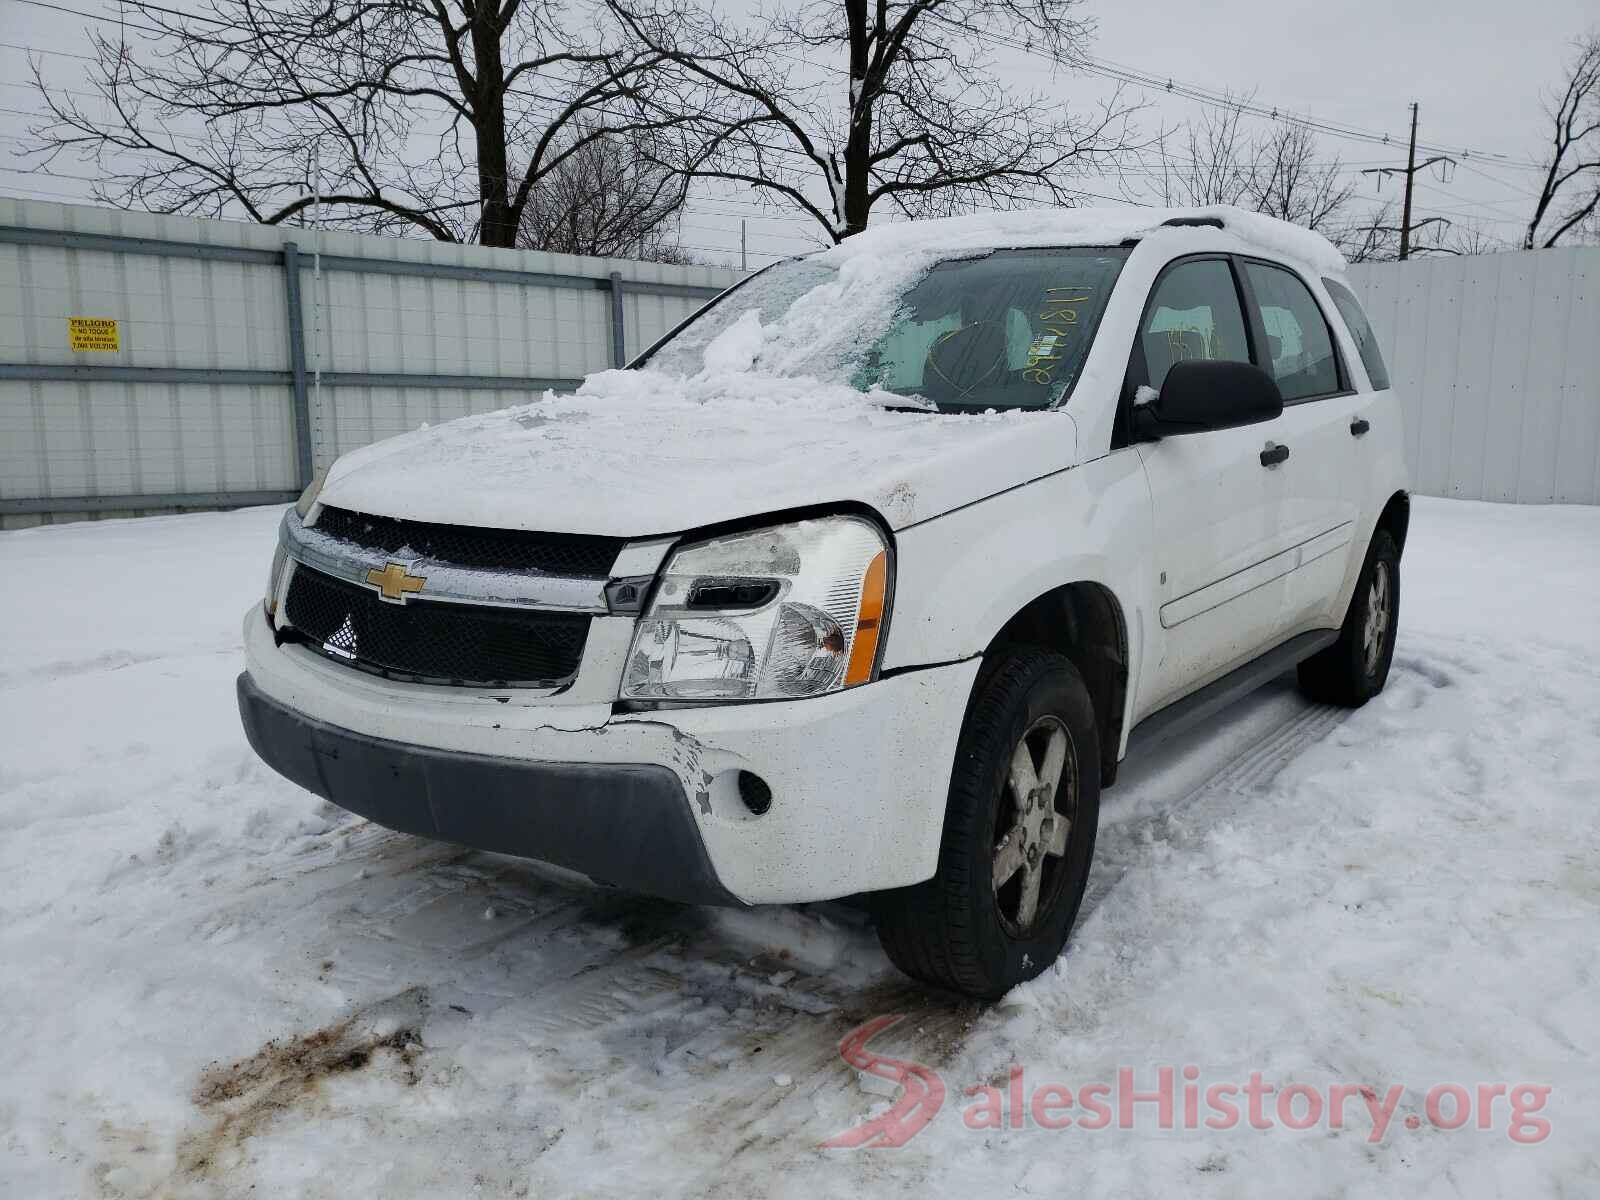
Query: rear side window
x,y
1299,351
1193,313
1355,318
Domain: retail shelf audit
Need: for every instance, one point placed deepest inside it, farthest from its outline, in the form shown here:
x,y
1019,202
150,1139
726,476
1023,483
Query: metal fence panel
x,y
248,355
1497,362
1496,358
1578,434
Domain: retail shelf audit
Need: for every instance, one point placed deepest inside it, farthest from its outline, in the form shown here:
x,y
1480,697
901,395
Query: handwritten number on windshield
x,y
1059,317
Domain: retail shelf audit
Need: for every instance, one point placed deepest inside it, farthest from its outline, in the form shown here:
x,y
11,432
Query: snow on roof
x,y
1085,227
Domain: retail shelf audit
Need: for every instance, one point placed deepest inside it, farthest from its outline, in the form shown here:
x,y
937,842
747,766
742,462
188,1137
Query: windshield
x,y
1009,329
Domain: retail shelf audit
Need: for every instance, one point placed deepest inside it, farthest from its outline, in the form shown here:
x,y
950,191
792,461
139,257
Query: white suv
x,y
864,579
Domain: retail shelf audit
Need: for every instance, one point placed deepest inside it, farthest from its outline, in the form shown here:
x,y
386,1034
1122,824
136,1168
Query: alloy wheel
x,y
1379,606
1034,824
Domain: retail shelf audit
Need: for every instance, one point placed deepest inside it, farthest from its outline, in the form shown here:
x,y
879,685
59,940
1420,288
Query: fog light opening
x,y
755,793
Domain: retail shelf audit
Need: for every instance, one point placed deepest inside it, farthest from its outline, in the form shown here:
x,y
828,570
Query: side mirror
x,y
1199,395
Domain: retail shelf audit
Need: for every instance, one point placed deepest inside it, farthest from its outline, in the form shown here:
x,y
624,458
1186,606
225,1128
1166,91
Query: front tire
x,y
1019,834
1354,669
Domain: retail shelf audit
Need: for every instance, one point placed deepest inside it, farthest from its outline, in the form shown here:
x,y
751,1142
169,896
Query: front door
x,y
1218,507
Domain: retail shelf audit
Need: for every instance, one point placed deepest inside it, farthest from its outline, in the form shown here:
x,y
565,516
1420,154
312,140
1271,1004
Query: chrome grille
x,y
432,642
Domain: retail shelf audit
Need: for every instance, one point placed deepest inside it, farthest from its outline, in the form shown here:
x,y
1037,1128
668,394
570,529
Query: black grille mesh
x,y
432,642
573,555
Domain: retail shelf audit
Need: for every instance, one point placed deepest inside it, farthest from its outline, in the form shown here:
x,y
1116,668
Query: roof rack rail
x,y
1190,222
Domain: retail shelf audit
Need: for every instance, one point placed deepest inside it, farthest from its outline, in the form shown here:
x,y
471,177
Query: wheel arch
x,y
1084,621
1395,519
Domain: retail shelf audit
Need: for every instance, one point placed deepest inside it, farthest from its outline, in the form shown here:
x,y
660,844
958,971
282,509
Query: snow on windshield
x,y
795,317
1005,329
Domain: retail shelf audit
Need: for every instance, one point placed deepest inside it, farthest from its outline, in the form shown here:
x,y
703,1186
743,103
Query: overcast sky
x,y
1477,67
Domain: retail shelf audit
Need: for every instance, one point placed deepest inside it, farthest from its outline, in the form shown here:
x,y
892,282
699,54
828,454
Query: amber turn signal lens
x,y
864,650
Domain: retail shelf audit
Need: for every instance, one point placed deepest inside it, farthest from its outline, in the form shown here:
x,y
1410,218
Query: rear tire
x,y
1354,669
1008,831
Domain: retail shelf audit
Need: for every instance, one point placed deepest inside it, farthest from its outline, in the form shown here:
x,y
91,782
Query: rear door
x,y
1323,474
1218,510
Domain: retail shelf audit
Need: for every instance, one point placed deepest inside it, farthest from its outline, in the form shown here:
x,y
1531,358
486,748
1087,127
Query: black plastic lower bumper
x,y
627,825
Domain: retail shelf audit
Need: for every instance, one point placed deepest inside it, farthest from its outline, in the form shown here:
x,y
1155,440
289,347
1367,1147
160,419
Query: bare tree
x,y
839,108
1275,172
1374,237
407,112
1569,193
1287,181
608,198
1218,163
1472,238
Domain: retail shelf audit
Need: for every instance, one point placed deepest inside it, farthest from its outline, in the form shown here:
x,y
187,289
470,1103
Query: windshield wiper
x,y
913,404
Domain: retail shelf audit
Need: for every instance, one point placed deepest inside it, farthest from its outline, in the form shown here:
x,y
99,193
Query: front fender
x,y
961,576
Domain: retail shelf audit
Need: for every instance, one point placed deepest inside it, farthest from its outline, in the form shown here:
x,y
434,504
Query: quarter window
x,y
1355,320
1194,313
1299,351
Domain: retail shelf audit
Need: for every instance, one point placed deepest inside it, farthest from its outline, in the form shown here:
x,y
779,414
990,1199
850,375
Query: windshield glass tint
x,y
1009,329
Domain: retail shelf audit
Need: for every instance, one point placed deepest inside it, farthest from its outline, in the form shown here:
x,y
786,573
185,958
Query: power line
x,y
1193,91
63,91
1510,187
1103,67
42,50
1426,186
51,174
810,243
755,209
1274,113
118,21
37,192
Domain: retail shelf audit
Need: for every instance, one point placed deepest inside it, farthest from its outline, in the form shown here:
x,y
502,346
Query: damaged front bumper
x,y
647,801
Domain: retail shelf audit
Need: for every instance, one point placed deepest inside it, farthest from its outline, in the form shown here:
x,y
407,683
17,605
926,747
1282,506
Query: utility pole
x,y
744,264
1410,172
1411,175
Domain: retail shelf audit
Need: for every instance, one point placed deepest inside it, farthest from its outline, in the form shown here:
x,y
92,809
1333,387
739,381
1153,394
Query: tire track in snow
x,y
1256,770
1247,775
1121,841
654,982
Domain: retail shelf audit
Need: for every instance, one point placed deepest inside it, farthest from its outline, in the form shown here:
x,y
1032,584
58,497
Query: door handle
x,y
1273,454
1359,426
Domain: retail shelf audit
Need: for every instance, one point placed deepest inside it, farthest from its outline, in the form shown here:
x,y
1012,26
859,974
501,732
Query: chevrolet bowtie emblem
x,y
395,582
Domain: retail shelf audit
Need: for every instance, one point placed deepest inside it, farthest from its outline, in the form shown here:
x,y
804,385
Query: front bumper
x,y
609,821
647,801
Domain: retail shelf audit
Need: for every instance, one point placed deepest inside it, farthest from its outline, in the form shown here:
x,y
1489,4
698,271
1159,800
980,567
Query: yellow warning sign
x,y
93,333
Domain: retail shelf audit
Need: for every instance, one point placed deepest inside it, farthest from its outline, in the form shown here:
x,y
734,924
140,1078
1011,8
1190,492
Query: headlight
x,y
309,496
280,560
796,610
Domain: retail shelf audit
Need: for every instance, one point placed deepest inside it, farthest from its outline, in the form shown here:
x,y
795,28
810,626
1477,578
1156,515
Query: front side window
x,y
1005,329
1355,319
1193,313
1299,351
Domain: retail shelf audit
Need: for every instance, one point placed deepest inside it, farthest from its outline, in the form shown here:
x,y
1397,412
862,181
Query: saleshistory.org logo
x,y
1173,1098
921,1095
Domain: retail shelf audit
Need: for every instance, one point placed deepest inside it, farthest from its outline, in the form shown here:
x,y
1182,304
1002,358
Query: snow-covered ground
x,y
213,982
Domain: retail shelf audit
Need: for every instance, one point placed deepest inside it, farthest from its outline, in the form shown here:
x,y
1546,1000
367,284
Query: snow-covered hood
x,y
637,453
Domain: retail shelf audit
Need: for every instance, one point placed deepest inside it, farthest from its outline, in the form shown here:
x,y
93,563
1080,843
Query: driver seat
x,y
963,360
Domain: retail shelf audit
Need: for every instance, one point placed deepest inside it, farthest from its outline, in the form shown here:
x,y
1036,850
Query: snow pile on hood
x,y
746,413
635,453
